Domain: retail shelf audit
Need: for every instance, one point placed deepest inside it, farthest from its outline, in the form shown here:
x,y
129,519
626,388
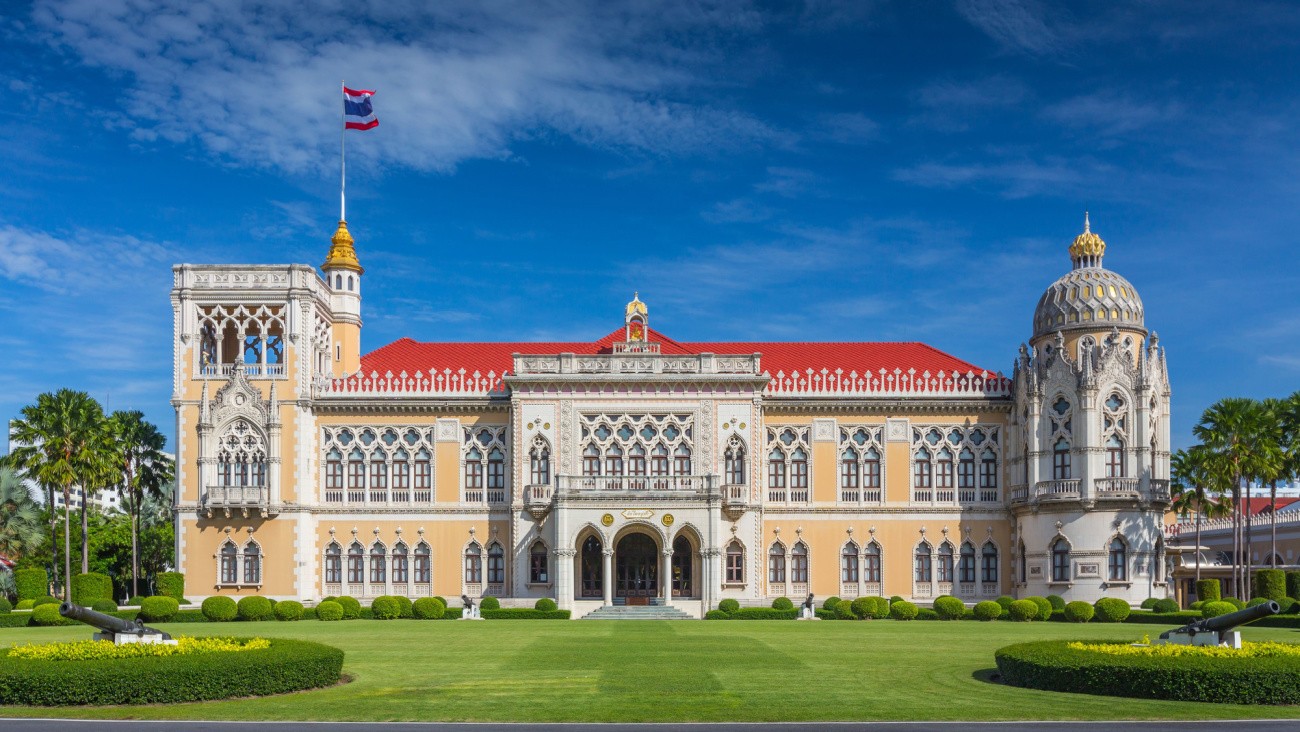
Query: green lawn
x,y
666,671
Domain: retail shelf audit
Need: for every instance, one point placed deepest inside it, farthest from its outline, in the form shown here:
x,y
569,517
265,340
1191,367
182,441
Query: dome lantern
x,y
1088,248
1089,297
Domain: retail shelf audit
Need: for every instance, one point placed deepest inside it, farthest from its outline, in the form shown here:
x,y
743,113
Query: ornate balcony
x,y
648,486
537,499
735,500
242,498
1158,490
1057,489
1117,487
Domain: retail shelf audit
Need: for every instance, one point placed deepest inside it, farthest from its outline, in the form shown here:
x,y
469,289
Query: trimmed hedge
x,y
1053,666
844,611
1270,584
1023,611
1165,606
288,610
158,609
1149,603
926,613
782,603
254,607
1111,610
288,665
31,583
1293,584
1057,602
404,606
1215,609
489,603
729,605
24,605
351,607
47,600
1235,602
135,600
48,615
949,608
91,586
6,607
104,606
830,603
987,610
545,604
219,609
1079,611
432,608
385,607
903,610
1044,606
1005,601
527,613
171,584
878,607
717,615
329,610
1207,590
1196,605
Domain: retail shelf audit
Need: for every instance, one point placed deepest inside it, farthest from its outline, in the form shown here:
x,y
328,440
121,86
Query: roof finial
x,y
1087,229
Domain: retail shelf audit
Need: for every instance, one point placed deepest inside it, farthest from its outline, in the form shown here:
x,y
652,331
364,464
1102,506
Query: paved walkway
x,y
64,725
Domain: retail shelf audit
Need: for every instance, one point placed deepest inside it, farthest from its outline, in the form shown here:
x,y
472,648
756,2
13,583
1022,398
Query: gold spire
x,y
342,255
636,307
1088,248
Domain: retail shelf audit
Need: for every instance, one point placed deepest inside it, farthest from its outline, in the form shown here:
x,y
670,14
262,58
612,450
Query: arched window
x,y
333,563
423,563
539,462
1118,560
735,563
378,477
776,564
338,282
659,460
871,568
682,460
943,477
591,460
241,456
473,563
799,563
252,563
423,475
334,476
922,476
989,564
798,475
356,564
945,562
378,564
735,462
356,476
849,476
849,563
871,475
1061,460
401,476
636,460
496,564
1060,560
538,564
966,476
349,283
988,476
1114,457
496,476
613,460
776,475
229,563
966,566
924,571
401,564
473,475
1024,561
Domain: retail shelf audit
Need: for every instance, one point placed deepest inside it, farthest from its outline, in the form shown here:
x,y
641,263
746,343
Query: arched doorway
x,y
591,569
683,567
636,569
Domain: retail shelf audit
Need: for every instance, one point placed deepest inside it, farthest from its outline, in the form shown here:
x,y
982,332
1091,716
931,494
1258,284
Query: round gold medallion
x,y
667,519
607,519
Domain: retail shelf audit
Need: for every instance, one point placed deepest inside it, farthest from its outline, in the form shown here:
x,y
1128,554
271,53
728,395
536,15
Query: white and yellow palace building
x,y
635,469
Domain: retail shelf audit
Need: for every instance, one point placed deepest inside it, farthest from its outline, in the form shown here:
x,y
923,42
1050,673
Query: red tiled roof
x,y
412,356
1259,504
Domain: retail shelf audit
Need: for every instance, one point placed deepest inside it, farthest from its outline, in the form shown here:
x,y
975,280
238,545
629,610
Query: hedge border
x,y
1053,666
288,665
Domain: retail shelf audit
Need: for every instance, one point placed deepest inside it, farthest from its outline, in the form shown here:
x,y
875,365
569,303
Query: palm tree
x,y
1232,428
55,442
1190,470
100,473
144,471
1273,462
20,516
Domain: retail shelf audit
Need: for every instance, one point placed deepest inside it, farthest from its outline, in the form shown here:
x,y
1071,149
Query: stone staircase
x,y
637,612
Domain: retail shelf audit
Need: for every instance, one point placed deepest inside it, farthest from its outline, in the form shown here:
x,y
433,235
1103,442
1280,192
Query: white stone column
x,y
607,575
564,578
667,580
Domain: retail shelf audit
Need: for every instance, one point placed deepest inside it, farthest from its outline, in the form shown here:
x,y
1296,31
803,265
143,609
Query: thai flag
x,y
357,112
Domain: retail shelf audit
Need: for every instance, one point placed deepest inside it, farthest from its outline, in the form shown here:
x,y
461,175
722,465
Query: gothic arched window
x,y
735,458
1114,457
1060,560
1061,460
924,571
378,564
538,564
871,568
496,564
945,562
333,563
473,563
989,564
252,563
241,456
776,564
966,566
356,564
799,563
401,566
735,562
539,462
1118,564
423,563
229,560
849,563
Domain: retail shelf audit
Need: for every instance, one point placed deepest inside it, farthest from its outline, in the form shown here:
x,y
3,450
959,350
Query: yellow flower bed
x,y
1269,649
95,650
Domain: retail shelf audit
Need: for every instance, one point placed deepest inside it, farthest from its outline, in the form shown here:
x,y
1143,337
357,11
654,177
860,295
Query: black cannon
x,y
1219,630
111,628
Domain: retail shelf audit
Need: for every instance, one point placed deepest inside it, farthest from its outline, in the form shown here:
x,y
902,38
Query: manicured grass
x,y
666,671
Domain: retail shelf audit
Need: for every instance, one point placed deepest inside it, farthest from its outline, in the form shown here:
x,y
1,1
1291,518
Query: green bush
x,y
287,665
47,600
1111,610
1057,602
47,615
1270,584
431,608
949,608
765,613
1215,609
31,583
864,607
1149,603
1079,611
1005,601
1207,590
385,607
1252,602
879,607
489,603
1288,605
219,609
158,609
91,586
717,615
830,603
135,600
171,584
844,611
6,607
1293,584
1044,606
782,603
1023,611
927,613
895,598
443,600
1196,605
1235,602
729,605
404,607
288,610
903,610
1166,605
329,610
528,613
25,605
351,608
545,604
987,610
104,606
254,607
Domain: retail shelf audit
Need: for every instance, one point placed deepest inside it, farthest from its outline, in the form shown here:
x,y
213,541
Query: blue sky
x,y
759,171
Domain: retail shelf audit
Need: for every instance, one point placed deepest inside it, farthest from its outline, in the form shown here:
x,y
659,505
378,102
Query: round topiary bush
x,y
385,608
47,615
404,608
864,607
282,666
1208,590
545,604
5,606
329,611
1165,605
219,609
1288,605
104,606
717,615
289,610
25,605
432,608
729,605
881,609
949,608
1235,602
1111,610
1023,611
351,608
158,609
844,611
903,610
1005,601
47,600
489,603
1196,605
1257,601
1056,601
894,598
927,613
1215,609
135,600
254,608
782,603
1079,611
830,603
1149,603
987,610
1044,607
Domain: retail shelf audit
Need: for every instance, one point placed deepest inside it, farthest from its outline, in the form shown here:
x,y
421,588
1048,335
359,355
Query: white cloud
x,y
1112,114
1015,24
257,82
80,260
1017,177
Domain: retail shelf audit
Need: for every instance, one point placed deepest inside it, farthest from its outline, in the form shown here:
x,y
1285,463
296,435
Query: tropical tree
x,y
144,471
1190,471
55,443
1273,461
20,516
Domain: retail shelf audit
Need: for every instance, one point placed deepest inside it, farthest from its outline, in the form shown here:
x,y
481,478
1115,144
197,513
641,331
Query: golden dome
x,y
1087,247
342,255
636,307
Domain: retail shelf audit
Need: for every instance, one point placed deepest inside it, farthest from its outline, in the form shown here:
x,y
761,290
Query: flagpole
x,y
343,158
